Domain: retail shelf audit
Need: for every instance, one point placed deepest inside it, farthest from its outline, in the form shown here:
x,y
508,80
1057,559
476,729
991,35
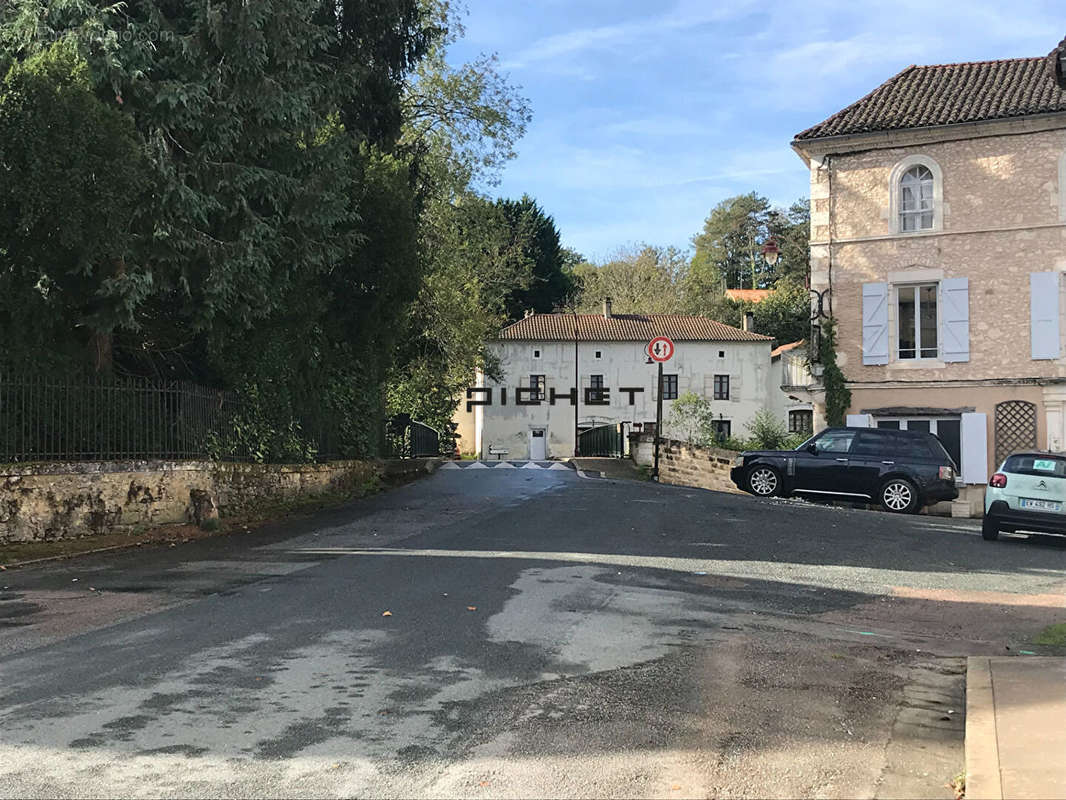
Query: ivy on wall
x,y
837,394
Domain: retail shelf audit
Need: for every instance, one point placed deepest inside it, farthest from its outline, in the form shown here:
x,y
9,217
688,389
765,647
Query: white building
x,y
790,388
530,412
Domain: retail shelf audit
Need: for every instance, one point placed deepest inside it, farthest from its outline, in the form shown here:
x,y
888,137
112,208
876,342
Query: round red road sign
x,y
661,348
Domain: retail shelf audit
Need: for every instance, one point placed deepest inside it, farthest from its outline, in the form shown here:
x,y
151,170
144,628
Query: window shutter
x,y
874,323
734,388
955,319
974,436
1044,314
860,421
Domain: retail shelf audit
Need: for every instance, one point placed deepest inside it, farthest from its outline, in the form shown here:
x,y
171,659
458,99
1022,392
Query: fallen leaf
x,y
471,608
387,614
483,783
675,788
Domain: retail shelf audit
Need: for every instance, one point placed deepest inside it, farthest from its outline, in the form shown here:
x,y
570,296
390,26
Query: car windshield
x,y
1036,464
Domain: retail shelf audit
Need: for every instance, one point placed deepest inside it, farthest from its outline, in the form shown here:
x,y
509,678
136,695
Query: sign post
x,y
660,350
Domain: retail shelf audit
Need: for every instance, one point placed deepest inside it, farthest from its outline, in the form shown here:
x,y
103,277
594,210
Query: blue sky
x,y
648,113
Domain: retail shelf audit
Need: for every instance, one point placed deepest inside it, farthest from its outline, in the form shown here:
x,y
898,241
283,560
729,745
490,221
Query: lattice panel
x,y
1015,428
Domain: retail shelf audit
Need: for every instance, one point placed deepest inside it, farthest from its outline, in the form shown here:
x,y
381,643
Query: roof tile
x,y
949,94
625,328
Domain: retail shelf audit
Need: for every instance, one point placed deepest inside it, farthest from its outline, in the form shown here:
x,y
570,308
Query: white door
x,y
538,445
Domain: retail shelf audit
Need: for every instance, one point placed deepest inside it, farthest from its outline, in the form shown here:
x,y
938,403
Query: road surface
x,y
516,633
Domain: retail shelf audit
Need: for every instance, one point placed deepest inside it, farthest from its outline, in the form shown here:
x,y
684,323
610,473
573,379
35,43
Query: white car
x,y
1027,493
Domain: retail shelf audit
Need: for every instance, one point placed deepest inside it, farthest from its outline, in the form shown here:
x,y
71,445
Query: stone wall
x,y
47,501
683,464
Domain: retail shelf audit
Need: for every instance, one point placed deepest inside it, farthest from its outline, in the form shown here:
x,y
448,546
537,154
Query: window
x,y
536,353
721,353
947,429
916,199
916,196
890,444
539,384
722,429
1062,187
721,387
596,382
599,353
916,321
835,442
669,387
801,421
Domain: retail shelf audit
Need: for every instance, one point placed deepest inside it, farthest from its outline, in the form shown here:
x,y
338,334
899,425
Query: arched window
x,y
917,196
1062,187
916,200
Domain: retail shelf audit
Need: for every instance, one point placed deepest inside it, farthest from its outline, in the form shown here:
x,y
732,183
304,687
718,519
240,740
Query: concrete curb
x,y
983,779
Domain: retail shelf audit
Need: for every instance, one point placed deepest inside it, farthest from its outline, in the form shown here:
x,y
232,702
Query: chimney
x,y
749,321
606,308
1057,64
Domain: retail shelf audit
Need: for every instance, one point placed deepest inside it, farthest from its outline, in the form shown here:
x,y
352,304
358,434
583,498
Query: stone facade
x,y
1000,196
65,500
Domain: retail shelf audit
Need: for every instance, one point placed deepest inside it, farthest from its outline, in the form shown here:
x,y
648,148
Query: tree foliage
x,y
256,191
642,280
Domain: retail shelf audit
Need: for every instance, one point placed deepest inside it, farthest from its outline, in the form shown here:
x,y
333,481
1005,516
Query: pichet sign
x,y
534,396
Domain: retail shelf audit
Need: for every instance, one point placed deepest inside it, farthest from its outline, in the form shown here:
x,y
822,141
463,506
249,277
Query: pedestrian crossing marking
x,y
549,465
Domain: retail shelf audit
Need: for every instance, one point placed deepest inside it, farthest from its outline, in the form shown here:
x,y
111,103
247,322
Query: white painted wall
x,y
789,370
621,364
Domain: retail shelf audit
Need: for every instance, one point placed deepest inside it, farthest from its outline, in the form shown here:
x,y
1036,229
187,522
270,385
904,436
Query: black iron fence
x,y
45,418
407,438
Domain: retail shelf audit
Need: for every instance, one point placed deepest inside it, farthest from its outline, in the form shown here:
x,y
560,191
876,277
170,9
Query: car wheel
x,y
899,496
989,529
764,481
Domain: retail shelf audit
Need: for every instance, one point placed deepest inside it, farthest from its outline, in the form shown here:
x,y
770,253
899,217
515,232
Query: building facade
x,y
561,373
938,235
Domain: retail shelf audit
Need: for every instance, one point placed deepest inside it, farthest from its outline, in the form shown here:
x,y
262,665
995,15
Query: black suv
x,y
901,470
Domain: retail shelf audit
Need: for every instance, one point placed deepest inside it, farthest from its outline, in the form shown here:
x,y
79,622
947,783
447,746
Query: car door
x,y
874,453
822,468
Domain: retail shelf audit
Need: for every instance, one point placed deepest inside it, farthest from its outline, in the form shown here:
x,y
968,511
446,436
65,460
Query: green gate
x,y
604,441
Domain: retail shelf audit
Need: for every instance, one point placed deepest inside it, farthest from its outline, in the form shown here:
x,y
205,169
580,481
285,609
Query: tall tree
x,y
728,249
549,282
643,280
73,172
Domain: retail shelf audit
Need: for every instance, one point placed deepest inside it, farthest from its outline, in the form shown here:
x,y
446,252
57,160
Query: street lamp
x,y
770,251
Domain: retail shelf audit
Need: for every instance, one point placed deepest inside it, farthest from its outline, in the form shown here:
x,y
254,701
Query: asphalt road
x,y
517,633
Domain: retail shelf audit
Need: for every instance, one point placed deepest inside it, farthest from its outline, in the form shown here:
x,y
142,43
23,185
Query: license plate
x,y
1041,505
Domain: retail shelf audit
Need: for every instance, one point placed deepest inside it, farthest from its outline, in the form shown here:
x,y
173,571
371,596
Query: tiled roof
x,y
786,347
747,295
948,94
625,328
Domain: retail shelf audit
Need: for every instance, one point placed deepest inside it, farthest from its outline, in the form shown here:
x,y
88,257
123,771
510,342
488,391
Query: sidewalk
x,y
1016,728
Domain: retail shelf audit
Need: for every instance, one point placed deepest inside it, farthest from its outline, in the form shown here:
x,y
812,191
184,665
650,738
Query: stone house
x,y
938,237
530,412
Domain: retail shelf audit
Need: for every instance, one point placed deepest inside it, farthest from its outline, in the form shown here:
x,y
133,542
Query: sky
x,y
646,113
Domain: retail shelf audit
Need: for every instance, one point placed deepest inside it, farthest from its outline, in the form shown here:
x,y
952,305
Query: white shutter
x,y
955,319
860,421
735,385
974,436
874,323
1044,314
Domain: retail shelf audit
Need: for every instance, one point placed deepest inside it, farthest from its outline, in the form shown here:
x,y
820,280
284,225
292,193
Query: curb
x,y
983,779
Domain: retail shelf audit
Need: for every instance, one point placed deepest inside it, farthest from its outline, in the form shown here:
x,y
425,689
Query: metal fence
x,y
45,418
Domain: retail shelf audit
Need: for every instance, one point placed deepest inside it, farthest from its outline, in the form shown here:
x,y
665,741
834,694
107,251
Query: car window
x,y
1043,465
869,444
835,442
905,446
